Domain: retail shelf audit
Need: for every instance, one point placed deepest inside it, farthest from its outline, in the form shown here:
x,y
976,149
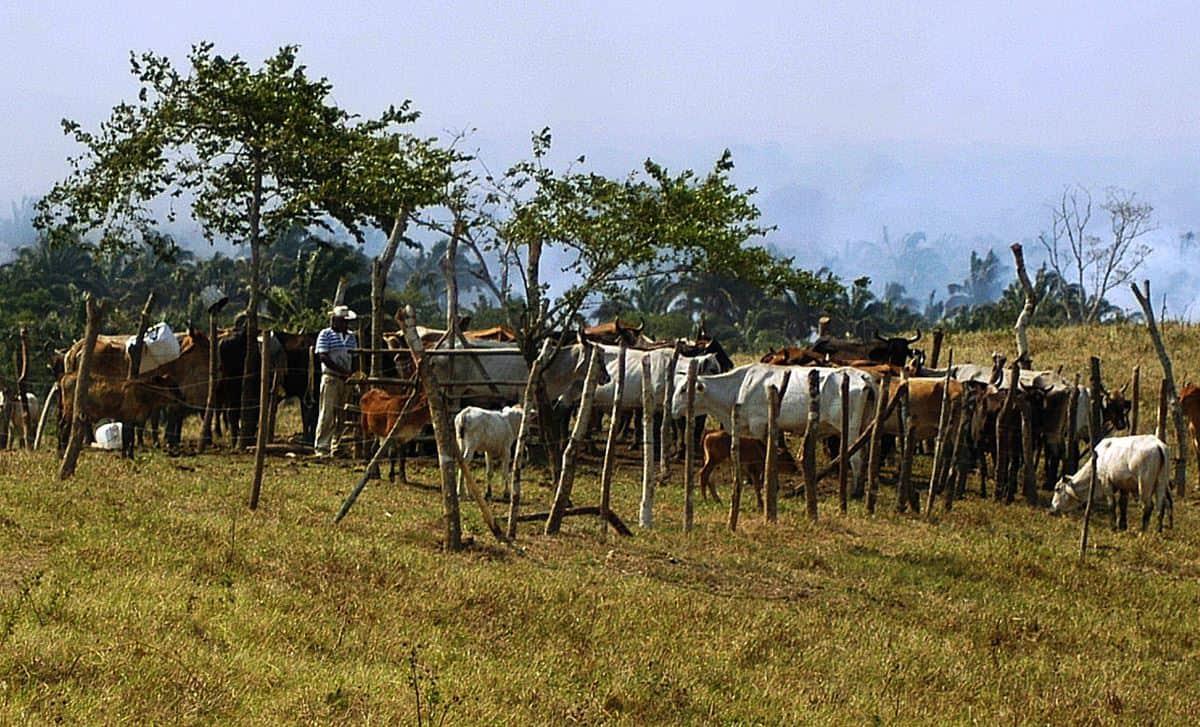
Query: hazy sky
x,y
959,117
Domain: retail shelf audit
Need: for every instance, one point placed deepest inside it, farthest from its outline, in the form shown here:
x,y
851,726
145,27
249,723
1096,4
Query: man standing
x,y
333,349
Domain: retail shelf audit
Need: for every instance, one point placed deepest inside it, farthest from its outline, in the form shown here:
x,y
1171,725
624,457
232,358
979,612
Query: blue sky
x,y
960,118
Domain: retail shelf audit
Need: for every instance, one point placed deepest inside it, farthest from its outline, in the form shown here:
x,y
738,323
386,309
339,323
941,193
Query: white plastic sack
x,y
158,347
108,436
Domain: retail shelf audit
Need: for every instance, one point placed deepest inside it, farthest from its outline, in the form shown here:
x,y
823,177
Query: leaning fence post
x,y
264,412
689,446
646,512
1028,463
735,459
939,439
95,317
875,456
610,446
514,488
844,446
771,458
1164,397
1072,438
1094,436
210,401
810,443
566,475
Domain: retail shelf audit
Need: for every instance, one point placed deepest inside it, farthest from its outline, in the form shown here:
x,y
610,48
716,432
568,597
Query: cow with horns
x,y
895,351
1135,465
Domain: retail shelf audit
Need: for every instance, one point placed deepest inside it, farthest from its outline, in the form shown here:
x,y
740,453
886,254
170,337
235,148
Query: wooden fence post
x,y
566,475
5,421
810,443
264,409
906,444
442,434
875,457
962,457
514,488
689,446
1136,405
939,439
1181,436
771,457
210,401
135,353
1003,489
646,512
665,438
1160,423
1072,453
938,334
95,318
843,447
735,459
582,418
1028,462
1093,435
23,389
610,444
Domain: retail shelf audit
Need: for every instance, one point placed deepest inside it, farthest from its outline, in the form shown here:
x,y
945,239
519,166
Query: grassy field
x,y
145,591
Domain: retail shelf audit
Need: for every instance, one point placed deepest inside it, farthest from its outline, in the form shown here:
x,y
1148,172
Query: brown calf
x,y
380,410
751,452
129,401
1189,401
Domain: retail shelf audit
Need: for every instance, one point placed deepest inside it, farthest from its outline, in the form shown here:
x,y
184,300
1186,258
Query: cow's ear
x,y
699,386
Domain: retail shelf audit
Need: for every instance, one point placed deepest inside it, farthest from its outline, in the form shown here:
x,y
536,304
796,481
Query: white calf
x,y
490,432
1127,465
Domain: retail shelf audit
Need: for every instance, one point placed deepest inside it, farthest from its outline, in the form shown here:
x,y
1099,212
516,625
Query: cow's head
x,y
1115,409
895,350
1065,499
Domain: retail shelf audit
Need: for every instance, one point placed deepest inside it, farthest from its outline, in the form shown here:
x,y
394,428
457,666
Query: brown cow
x,y
615,331
924,405
1189,402
751,452
380,411
129,401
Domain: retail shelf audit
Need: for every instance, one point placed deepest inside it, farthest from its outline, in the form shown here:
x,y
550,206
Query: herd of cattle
x,y
494,383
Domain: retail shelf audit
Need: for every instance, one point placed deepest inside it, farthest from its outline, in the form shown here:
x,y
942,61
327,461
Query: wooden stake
x,y
938,334
610,444
23,389
1143,297
566,475
514,489
95,318
771,460
264,408
874,459
646,512
810,443
907,442
938,442
210,401
961,458
1136,404
735,459
41,426
135,353
689,447
1028,463
1031,300
1003,489
665,440
1072,453
1160,423
843,447
1094,436
442,433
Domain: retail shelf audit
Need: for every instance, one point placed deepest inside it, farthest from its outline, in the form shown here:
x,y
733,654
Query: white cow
x,y
563,375
716,394
15,424
491,432
660,374
1137,464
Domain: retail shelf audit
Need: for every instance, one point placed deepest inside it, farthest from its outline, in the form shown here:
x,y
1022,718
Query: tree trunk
x,y
250,363
381,267
95,319
1143,297
1027,311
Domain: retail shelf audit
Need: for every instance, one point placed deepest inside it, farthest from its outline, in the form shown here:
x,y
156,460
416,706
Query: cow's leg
x,y
487,474
468,454
756,479
127,435
1055,451
1123,500
373,470
505,468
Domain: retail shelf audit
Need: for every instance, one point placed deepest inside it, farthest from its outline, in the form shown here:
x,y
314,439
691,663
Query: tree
x,y
982,284
252,152
1083,259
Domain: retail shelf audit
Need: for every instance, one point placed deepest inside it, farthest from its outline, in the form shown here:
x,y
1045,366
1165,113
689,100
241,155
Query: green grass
x,y
145,591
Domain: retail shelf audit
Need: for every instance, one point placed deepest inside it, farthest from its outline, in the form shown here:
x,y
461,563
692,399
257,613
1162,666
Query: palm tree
x,y
981,286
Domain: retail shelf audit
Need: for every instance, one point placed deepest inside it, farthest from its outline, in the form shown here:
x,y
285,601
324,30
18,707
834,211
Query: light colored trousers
x,y
333,397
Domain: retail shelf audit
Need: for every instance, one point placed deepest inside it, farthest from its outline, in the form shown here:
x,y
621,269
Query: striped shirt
x,y
338,346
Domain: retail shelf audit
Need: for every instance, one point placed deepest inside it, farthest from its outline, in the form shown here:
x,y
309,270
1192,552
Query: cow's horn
x,y
640,328
918,337
1123,389
879,337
